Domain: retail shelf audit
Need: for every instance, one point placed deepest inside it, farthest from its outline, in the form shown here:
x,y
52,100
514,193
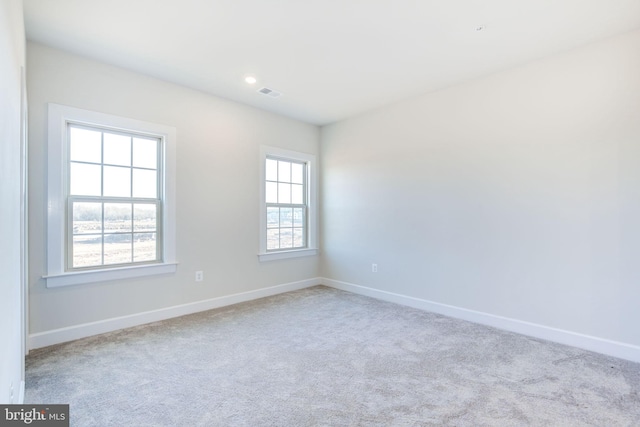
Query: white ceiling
x,y
331,59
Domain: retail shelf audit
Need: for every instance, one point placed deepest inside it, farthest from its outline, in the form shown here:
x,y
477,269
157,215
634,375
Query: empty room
x,y
320,213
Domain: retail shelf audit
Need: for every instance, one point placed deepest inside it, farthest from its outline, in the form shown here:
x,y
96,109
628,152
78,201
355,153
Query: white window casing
x,y
309,204
60,271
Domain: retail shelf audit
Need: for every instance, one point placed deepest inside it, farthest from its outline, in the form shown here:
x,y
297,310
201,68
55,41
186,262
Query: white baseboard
x,y
57,336
598,345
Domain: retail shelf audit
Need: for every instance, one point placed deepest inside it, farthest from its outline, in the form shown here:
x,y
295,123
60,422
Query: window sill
x,y
272,256
92,276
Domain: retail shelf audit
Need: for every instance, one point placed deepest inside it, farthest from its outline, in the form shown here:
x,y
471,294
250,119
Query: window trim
x,y
59,116
312,209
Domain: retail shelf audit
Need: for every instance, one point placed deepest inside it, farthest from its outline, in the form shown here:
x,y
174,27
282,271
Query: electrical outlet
x,y
374,268
199,276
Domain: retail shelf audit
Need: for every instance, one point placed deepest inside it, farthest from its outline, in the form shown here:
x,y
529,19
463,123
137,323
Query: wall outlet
x,y
374,268
199,276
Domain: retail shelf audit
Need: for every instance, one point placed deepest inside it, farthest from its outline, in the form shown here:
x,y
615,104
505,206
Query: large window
x,y
114,198
111,197
288,208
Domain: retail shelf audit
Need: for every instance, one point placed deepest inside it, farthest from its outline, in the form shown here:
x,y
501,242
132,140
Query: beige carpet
x,y
323,357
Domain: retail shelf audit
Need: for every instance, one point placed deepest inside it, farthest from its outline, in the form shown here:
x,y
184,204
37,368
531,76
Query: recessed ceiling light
x,y
251,80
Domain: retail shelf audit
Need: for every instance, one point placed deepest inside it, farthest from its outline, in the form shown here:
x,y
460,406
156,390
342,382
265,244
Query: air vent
x,y
270,92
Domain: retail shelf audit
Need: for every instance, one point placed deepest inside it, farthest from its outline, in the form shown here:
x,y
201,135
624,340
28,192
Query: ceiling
x,y
330,59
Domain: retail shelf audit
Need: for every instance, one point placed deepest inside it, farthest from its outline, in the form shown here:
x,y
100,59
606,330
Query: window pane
x,y
144,247
145,153
117,217
84,180
87,218
144,217
87,251
100,166
117,181
85,145
271,172
284,171
297,173
298,238
117,149
286,217
297,194
284,193
298,217
117,248
271,192
286,238
273,238
145,183
273,217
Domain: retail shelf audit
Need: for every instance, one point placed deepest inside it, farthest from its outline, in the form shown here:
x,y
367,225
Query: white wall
x,y
516,195
12,45
217,189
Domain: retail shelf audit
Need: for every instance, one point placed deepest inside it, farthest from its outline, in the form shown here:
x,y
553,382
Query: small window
x,y
286,198
288,218
111,192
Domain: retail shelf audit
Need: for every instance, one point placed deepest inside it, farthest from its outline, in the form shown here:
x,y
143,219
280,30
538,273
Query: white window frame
x,y
59,118
312,205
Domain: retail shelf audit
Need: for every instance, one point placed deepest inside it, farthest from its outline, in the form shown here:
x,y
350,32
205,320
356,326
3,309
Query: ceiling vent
x,y
270,92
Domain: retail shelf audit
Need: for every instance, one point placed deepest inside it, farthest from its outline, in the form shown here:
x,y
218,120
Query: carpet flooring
x,y
323,357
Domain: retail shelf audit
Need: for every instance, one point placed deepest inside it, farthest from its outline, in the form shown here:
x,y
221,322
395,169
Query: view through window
x,y
286,200
114,203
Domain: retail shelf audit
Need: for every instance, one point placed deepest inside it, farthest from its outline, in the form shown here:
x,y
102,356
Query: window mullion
x,y
102,197
69,233
131,168
131,194
159,231
102,164
102,236
278,189
131,233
